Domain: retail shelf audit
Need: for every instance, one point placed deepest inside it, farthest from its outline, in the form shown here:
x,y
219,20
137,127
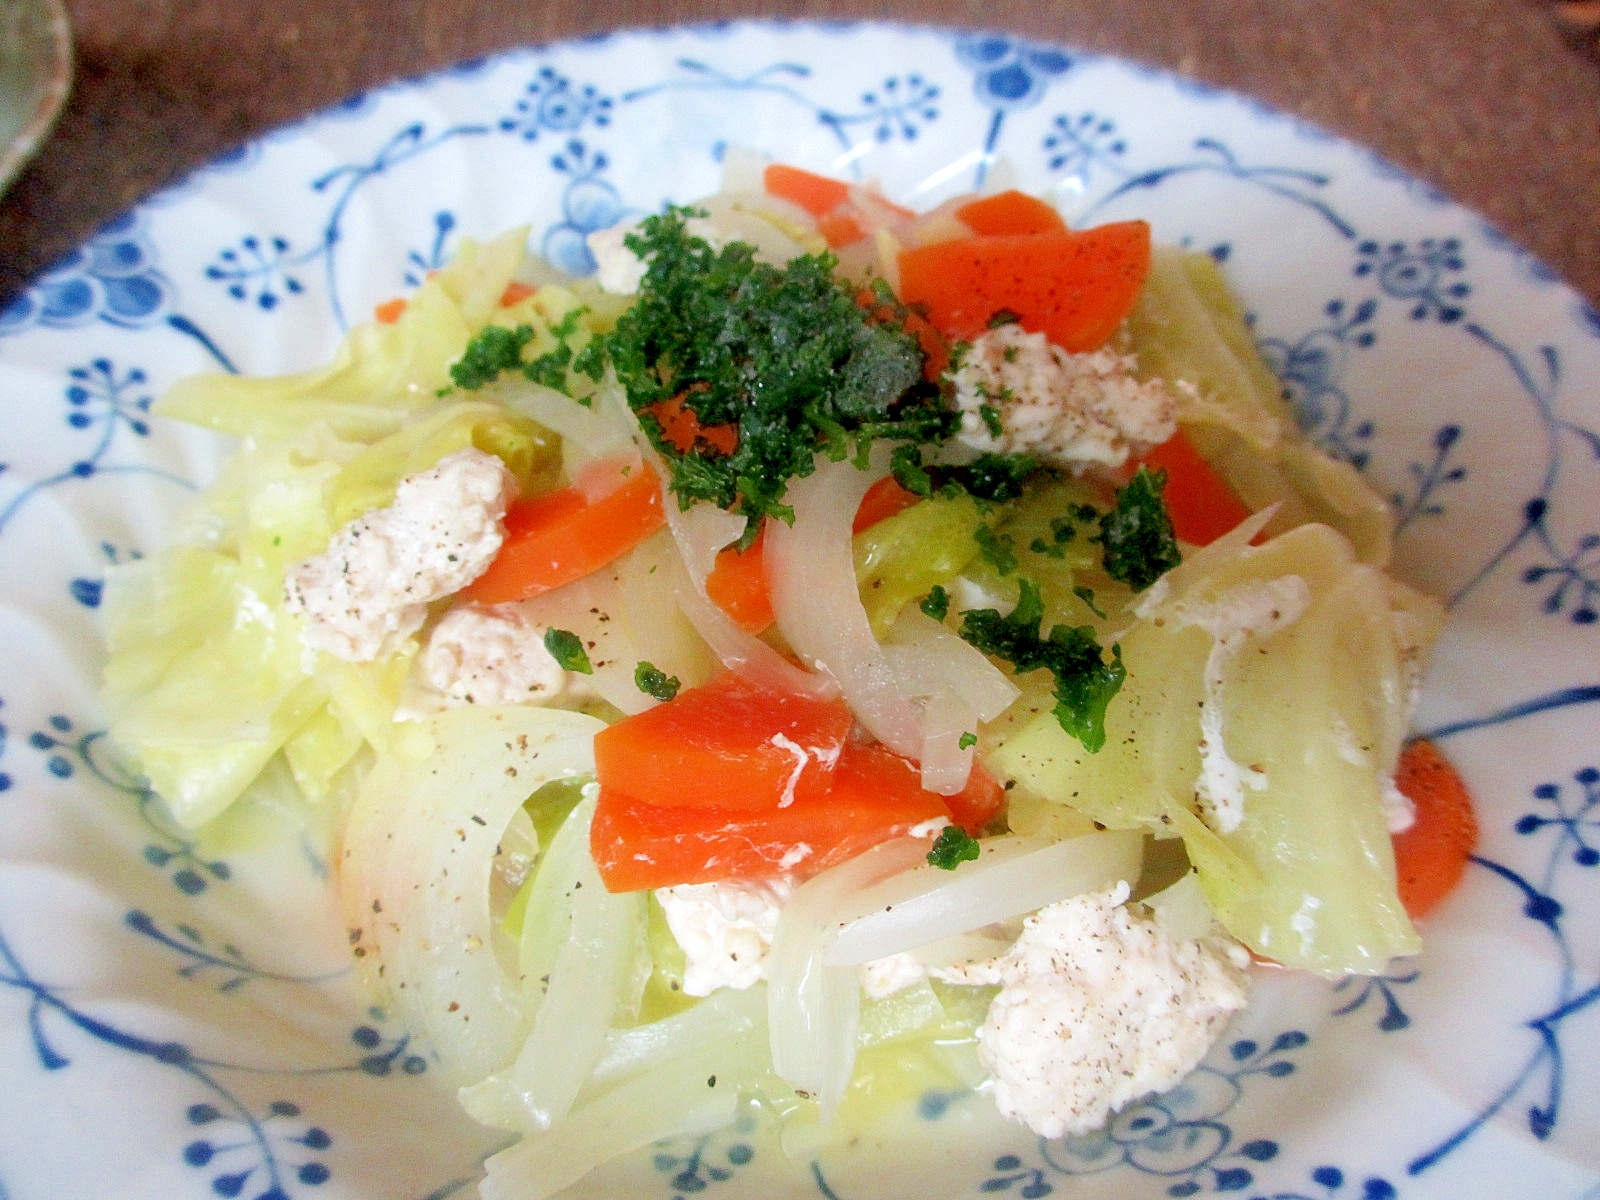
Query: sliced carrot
x,y
975,806
738,586
682,430
817,194
562,536
839,229
726,744
1202,505
389,311
638,845
883,500
1010,212
1431,856
516,291
1075,287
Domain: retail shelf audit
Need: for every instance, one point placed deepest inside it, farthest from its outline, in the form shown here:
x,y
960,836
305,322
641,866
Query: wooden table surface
x,y
1491,101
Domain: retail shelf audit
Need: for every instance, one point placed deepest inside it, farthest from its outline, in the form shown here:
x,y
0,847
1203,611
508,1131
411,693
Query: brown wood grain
x,y
1484,99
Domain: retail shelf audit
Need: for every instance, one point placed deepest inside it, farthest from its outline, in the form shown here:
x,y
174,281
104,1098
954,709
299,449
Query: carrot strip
x,y
727,744
1431,856
515,292
737,585
389,311
883,500
817,194
1010,212
874,795
839,229
1202,505
562,536
1075,287
682,430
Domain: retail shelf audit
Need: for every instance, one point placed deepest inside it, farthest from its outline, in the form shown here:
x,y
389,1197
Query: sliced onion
x,y
812,1008
812,581
584,992
959,689
589,432
1011,876
700,532
672,1100
725,1013
419,853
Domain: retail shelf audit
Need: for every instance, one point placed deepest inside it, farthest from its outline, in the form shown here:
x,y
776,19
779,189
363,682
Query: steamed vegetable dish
x,y
831,633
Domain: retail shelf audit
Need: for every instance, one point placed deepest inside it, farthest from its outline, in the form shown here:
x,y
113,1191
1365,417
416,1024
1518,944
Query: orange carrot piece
x,y
562,536
840,229
727,744
681,428
883,500
389,311
1202,505
817,194
515,292
1010,212
1075,287
738,586
874,796
1431,856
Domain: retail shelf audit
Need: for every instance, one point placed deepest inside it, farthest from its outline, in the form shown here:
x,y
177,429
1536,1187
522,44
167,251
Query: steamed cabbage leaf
x,y
1309,715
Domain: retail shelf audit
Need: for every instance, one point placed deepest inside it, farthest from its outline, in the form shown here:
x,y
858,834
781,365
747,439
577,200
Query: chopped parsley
x,y
990,416
1086,594
1136,533
783,355
965,740
567,649
495,349
654,682
953,847
936,603
996,548
1084,682
991,477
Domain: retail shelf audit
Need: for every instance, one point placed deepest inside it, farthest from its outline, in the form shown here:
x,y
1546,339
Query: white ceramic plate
x,y
177,1018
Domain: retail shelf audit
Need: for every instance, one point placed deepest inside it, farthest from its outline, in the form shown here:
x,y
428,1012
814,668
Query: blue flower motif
x,y
1010,74
1421,275
258,270
1312,370
552,104
113,277
588,204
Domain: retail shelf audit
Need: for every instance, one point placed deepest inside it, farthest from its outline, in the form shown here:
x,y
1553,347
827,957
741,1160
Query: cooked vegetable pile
x,y
812,650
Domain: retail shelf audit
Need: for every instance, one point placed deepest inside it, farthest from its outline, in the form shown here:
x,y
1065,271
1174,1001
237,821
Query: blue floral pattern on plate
x,y
218,1053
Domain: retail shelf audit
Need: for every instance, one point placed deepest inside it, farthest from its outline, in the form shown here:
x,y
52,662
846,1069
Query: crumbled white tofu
x,y
490,656
724,929
370,589
885,976
1099,1007
1019,394
618,269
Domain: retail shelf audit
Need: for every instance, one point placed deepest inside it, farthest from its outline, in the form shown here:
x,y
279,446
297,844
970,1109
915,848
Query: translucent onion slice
x,y
700,532
419,852
959,689
813,1008
1011,876
590,433
584,992
812,581
725,1013
674,1099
